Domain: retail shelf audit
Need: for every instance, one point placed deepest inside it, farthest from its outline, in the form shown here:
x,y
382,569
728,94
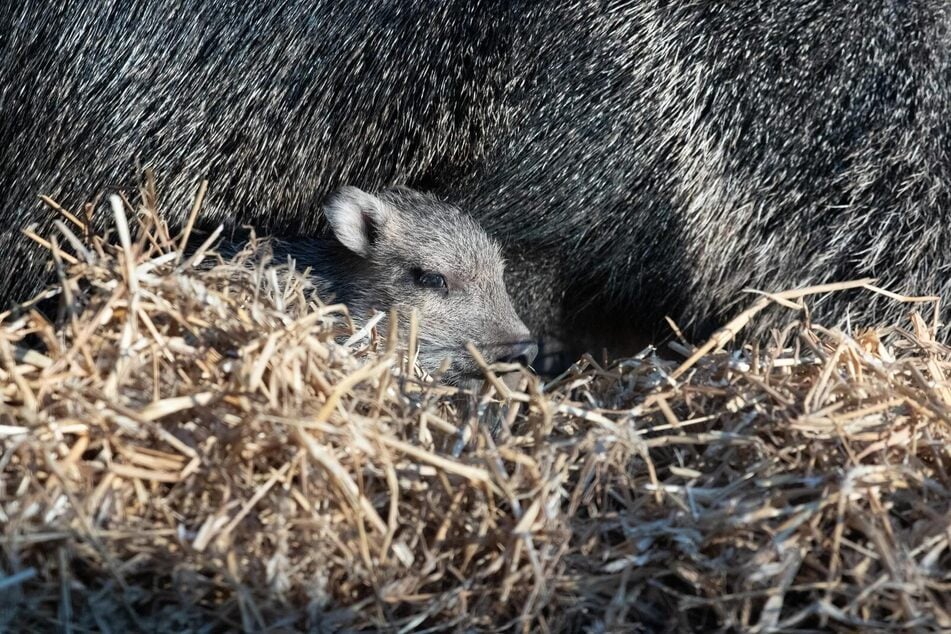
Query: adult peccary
x,y
655,157
406,250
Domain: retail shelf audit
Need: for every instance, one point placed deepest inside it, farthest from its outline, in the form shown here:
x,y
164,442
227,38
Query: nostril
x,y
531,351
522,353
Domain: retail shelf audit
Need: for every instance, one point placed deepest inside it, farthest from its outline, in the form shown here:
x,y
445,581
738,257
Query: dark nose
x,y
523,352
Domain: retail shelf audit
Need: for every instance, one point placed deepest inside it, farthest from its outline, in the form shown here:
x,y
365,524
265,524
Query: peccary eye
x,y
429,279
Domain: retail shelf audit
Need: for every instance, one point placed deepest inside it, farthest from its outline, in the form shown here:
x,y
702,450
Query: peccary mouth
x,y
462,368
470,376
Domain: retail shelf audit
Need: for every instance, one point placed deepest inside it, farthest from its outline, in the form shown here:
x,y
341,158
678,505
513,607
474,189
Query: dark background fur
x,y
647,158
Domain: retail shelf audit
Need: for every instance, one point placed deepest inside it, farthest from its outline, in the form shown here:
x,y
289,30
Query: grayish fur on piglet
x,y
404,249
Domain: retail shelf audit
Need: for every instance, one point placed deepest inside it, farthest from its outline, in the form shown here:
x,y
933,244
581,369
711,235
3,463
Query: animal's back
x,y
665,155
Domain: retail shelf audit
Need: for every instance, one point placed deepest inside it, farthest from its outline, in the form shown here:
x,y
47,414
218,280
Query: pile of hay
x,y
208,448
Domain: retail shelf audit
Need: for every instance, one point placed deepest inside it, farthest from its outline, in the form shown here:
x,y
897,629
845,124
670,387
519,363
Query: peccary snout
x,y
521,353
515,346
404,249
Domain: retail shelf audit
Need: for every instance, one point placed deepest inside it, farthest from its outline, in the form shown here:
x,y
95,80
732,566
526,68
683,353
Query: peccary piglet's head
x,y
407,250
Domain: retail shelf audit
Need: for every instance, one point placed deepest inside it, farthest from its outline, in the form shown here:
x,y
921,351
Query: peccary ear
x,y
356,218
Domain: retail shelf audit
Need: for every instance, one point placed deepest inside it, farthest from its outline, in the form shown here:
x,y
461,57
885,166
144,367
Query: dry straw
x,y
195,447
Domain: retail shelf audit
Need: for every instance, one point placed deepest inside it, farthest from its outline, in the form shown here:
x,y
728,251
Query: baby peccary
x,y
406,250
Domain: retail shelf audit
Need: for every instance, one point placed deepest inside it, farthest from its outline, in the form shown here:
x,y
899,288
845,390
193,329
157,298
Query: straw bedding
x,y
200,444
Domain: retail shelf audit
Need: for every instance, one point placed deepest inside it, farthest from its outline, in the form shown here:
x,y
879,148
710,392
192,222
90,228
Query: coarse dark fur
x,y
660,156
